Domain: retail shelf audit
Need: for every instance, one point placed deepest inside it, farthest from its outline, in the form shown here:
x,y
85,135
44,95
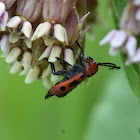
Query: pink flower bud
x,y
30,9
131,46
119,39
8,3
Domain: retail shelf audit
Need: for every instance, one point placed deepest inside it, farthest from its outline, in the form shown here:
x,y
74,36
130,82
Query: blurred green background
x,y
105,109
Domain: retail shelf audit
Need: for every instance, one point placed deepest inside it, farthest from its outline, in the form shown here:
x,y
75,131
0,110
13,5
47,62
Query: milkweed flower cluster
x,y
124,39
36,29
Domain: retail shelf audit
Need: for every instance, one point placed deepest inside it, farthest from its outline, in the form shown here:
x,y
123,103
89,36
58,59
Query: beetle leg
x,y
61,60
82,54
58,72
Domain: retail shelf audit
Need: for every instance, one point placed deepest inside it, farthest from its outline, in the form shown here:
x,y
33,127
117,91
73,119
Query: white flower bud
x,y
68,56
23,72
28,42
32,75
4,43
16,67
56,52
60,33
27,59
13,55
46,71
46,82
27,29
13,38
46,53
14,22
41,30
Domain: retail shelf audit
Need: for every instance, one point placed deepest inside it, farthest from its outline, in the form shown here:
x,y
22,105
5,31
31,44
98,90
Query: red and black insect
x,y
75,75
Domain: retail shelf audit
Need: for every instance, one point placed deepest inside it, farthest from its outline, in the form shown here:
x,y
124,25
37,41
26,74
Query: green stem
x,y
82,12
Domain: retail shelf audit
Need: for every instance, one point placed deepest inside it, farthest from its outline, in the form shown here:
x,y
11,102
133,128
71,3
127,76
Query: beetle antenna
x,y
74,50
79,46
111,65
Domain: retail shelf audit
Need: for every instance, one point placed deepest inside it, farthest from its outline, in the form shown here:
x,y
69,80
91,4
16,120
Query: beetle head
x,y
92,67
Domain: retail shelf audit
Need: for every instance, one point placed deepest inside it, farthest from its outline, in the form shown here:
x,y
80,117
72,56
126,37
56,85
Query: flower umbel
x,y
124,39
33,30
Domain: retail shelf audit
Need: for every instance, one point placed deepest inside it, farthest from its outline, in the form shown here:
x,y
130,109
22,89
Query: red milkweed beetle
x,y
75,75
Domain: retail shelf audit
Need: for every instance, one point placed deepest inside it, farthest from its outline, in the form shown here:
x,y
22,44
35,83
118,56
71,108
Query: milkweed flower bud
x,y
135,58
4,43
56,51
32,75
26,60
116,38
46,53
46,72
60,33
35,31
46,82
69,57
15,67
108,37
131,46
13,55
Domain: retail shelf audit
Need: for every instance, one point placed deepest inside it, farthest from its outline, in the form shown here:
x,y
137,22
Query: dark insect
x,y
75,75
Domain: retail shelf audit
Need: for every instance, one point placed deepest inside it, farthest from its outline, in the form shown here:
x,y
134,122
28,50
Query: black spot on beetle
x,y
62,88
82,76
74,83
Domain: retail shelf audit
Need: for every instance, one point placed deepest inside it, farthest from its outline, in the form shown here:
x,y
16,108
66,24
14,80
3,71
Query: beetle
x,y
75,75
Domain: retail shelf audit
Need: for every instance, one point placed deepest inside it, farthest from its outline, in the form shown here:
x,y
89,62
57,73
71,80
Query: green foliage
x,y
132,72
118,6
133,75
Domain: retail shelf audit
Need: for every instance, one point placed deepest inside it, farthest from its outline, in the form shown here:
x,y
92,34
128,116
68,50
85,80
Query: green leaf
x,y
118,6
133,76
132,72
